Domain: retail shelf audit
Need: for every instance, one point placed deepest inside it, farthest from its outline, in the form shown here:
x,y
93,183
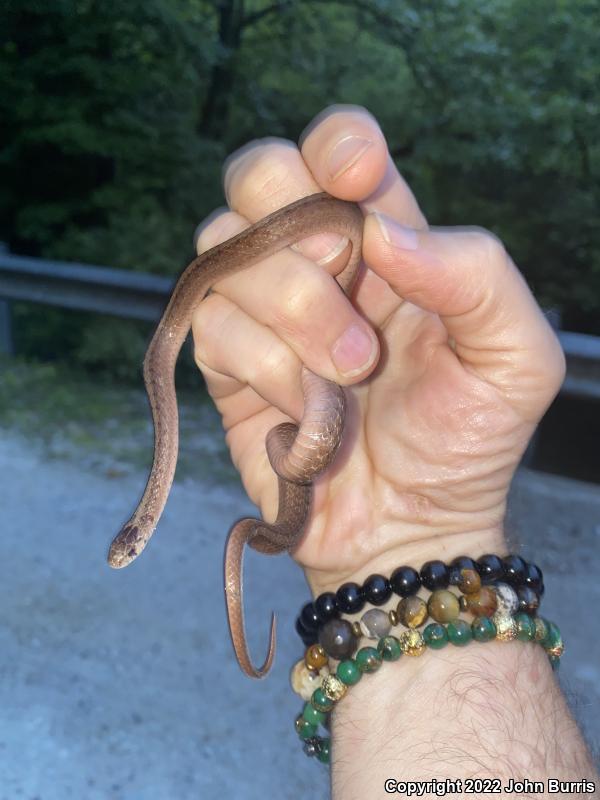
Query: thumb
x,y
466,277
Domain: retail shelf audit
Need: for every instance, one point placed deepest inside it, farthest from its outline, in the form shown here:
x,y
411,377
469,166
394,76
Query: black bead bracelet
x,y
525,577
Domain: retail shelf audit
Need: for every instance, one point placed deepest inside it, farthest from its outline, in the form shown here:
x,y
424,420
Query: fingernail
x,y
396,234
345,154
353,352
322,248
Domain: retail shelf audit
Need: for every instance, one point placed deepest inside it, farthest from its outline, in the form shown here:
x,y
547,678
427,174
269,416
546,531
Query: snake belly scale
x,y
297,453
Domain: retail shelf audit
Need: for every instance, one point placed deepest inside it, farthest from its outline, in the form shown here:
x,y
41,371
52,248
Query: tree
x,y
117,117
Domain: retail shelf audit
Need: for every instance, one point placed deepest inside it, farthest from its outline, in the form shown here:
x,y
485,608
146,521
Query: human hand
x,y
452,363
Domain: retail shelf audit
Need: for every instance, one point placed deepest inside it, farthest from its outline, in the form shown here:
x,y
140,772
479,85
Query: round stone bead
x,y
412,642
533,577
453,576
405,581
348,672
368,659
483,603
338,639
514,569
309,617
463,562
483,629
525,627
313,716
541,629
326,606
350,598
315,657
529,602
435,636
459,632
308,637
375,623
311,746
552,641
556,650
388,648
490,568
443,606
506,627
304,681
323,753
320,701
435,575
508,602
412,611
469,581
334,688
377,590
304,729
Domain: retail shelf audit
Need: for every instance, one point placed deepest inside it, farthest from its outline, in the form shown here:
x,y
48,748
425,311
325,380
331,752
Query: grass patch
x,y
76,416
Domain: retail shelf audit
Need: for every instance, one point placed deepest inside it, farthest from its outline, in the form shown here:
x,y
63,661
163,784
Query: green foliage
x,y
116,118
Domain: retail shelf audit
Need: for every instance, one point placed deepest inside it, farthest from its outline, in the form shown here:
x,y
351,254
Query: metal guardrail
x,y
135,295
132,295
583,364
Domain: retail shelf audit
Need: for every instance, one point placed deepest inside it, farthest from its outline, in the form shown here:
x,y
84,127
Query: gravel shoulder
x,y
121,685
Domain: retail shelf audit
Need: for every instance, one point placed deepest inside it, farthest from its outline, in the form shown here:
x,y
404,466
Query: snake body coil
x,y
297,453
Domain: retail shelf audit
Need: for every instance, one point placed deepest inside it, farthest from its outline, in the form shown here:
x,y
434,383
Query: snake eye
x,y
132,552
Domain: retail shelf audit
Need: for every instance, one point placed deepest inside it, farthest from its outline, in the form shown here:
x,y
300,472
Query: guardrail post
x,y
6,338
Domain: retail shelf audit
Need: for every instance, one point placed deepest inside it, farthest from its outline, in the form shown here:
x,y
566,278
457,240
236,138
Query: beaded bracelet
x,y
339,637
405,581
411,642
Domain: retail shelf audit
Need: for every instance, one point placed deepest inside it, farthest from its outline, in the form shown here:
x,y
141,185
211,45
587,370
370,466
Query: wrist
x,y
439,546
457,712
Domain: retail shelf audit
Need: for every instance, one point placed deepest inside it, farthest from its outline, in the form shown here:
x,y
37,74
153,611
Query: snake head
x,y
124,547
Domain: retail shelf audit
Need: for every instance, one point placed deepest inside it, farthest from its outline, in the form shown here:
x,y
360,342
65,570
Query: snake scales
x,y
297,453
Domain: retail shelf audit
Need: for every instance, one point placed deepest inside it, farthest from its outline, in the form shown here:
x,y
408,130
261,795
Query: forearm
x,y
491,710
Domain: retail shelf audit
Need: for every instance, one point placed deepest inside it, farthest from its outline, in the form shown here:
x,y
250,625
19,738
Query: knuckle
x,y
207,325
266,171
488,248
296,299
273,361
216,228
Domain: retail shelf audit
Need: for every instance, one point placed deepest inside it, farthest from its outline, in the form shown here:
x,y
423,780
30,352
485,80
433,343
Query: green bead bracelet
x,y
520,627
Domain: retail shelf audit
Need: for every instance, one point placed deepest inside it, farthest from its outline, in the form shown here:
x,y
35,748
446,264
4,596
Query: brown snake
x,y
297,453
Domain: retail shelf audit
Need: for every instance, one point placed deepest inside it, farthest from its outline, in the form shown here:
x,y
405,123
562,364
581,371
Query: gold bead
x,y
315,657
393,617
412,642
333,688
541,629
412,611
462,602
356,629
506,627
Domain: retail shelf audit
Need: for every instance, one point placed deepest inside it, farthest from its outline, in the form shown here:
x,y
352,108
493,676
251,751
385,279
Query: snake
x,y
297,452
